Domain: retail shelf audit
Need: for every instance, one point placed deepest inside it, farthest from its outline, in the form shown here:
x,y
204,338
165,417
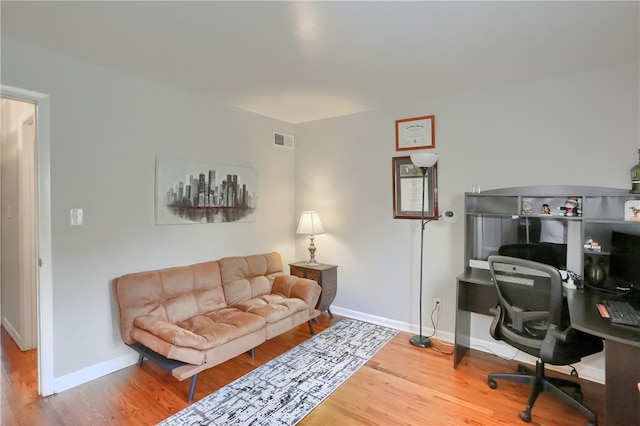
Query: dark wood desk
x,y
476,293
622,356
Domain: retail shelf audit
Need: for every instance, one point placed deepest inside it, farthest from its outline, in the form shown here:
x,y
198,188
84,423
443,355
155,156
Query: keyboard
x,y
622,312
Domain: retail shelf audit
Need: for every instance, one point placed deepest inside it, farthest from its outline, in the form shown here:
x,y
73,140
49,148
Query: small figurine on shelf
x,y
546,209
527,208
571,207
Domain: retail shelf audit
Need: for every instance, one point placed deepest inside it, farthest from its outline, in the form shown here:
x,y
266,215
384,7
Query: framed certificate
x,y
415,133
407,190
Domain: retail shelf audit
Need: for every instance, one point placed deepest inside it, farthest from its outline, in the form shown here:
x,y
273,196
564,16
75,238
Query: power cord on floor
x,y
436,310
574,372
434,323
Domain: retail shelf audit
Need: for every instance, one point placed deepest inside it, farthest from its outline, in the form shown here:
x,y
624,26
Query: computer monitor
x,y
624,262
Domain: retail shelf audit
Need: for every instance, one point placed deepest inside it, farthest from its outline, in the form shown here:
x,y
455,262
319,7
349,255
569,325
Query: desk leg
x,y
462,339
622,375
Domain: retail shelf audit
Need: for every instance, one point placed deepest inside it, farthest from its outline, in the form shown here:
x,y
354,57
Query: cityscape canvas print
x,y
199,192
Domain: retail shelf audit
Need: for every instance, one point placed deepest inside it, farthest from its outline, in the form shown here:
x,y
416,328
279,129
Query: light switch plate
x,y
77,217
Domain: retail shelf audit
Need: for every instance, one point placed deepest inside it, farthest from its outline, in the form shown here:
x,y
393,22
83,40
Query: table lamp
x,y
310,225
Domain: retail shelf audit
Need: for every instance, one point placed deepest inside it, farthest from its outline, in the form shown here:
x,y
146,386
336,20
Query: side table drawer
x,y
298,272
314,275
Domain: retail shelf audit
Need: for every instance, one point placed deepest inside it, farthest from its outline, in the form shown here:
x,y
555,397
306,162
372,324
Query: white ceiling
x,y
302,61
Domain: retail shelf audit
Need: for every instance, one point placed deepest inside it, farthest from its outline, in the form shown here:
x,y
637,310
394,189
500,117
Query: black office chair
x,y
532,316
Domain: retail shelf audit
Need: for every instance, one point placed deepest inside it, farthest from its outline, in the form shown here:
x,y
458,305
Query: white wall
x,y
106,130
575,130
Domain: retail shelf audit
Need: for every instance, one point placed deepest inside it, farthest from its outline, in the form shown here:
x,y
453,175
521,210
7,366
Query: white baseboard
x,y
502,350
13,332
93,372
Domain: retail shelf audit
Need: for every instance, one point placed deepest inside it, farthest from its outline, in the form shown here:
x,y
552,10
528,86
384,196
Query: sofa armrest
x,y
301,288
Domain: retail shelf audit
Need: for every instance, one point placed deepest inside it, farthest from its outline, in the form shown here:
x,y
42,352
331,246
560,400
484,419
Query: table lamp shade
x,y
310,224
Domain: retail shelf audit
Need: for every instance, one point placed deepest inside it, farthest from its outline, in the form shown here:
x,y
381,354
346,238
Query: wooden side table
x,y
325,275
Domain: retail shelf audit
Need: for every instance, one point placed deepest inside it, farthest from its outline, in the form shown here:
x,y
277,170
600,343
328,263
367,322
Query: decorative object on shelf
x,y
592,245
635,176
415,133
527,208
571,207
632,210
424,161
409,183
546,209
594,271
310,225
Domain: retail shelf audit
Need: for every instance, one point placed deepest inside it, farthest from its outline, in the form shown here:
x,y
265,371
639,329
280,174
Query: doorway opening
x,y
26,288
18,254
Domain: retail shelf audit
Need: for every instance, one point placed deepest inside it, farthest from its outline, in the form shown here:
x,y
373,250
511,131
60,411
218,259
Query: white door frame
x,y
44,284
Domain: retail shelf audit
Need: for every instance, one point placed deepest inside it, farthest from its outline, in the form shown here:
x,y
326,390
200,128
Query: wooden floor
x,y
401,384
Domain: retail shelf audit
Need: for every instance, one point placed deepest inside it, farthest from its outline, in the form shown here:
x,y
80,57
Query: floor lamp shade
x,y
310,225
424,159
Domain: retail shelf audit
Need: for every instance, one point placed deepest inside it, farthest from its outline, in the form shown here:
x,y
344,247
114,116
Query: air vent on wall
x,y
282,140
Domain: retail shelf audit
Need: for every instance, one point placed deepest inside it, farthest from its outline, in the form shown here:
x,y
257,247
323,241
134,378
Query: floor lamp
x,y
423,160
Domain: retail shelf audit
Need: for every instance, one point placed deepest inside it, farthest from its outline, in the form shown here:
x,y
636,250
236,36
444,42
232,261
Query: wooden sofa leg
x,y
311,330
192,388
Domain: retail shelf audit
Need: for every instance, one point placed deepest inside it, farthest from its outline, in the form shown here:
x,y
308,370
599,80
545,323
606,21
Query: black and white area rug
x,y
287,388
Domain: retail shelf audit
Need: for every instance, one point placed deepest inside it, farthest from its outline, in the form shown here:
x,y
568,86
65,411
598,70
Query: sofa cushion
x,y
246,277
203,331
272,307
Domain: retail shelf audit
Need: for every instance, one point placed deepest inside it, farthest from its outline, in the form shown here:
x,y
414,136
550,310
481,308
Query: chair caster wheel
x,y
526,417
492,384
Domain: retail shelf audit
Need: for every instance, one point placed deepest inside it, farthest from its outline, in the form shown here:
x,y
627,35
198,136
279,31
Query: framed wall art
x,y
190,191
415,133
407,190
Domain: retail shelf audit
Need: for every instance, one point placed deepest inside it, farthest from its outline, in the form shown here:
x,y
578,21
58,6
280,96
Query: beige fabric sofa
x,y
191,318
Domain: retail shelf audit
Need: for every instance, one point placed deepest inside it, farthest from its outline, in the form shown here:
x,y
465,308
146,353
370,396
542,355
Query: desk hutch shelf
x,y
514,215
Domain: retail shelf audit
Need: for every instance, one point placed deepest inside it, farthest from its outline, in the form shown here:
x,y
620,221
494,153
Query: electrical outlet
x,y
437,304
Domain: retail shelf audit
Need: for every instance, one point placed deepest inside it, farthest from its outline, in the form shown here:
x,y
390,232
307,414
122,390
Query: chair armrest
x,y
563,336
301,288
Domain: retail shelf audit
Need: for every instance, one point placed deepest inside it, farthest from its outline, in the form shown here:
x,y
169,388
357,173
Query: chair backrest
x,y
530,301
